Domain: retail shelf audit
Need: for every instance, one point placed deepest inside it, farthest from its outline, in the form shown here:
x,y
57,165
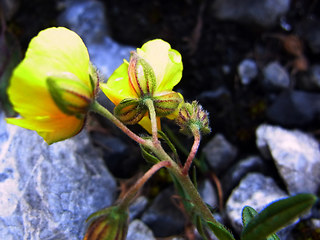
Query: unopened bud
x,y
108,224
141,75
130,110
166,102
192,115
70,94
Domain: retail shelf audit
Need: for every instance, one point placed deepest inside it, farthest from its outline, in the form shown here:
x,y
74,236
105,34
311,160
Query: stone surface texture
x,y
47,192
295,154
255,190
139,231
260,12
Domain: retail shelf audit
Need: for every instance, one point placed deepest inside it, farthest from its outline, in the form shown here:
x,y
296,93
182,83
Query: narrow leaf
x,y
248,213
148,156
220,231
169,143
199,226
277,215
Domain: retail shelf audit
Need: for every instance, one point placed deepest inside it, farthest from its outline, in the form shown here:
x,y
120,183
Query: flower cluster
x,y
151,73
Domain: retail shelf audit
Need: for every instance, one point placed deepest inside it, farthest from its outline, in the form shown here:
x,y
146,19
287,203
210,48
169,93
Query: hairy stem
x,y
193,152
152,114
130,195
96,107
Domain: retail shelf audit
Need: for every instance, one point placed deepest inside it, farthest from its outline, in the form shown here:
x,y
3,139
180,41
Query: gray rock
x,y
139,231
260,12
296,156
315,76
255,190
208,193
220,153
275,77
163,217
137,207
87,18
47,192
239,170
121,159
295,108
247,71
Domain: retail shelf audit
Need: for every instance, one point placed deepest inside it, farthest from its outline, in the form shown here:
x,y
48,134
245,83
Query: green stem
x,y
153,119
185,182
130,195
96,107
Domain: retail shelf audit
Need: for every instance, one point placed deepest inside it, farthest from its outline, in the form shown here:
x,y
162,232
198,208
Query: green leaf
x,y
169,143
248,213
199,225
276,216
220,231
149,157
273,237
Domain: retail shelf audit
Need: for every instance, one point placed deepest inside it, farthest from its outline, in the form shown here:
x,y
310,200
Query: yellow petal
x,y
53,51
166,63
117,87
51,129
146,124
59,50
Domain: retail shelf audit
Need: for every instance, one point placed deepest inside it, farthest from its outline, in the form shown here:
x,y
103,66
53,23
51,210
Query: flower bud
x,y
130,110
108,224
166,102
71,95
141,76
192,115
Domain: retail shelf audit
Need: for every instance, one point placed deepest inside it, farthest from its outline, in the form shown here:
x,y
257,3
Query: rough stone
x,y
296,156
138,230
47,192
275,77
260,12
255,190
121,159
233,176
208,193
295,108
247,71
163,217
220,153
137,207
105,53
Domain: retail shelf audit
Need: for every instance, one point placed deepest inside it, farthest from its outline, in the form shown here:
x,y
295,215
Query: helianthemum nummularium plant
x,y
54,87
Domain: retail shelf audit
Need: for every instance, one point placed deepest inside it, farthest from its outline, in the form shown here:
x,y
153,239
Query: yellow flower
x,y
152,72
53,86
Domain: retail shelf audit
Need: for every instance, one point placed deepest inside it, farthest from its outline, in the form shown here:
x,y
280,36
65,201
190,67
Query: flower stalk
x,y
98,108
194,149
131,194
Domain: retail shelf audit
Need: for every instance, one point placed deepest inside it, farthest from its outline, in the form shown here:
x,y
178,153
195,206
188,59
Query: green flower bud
x,y
71,95
166,102
130,110
192,115
141,76
108,224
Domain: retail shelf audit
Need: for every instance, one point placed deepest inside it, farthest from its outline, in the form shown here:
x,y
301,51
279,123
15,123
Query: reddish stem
x,y
130,195
193,152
